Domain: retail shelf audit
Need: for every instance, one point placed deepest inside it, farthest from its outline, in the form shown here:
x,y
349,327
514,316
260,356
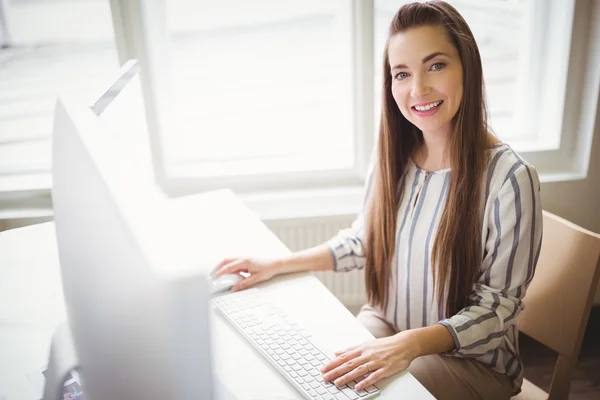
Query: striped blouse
x,y
512,236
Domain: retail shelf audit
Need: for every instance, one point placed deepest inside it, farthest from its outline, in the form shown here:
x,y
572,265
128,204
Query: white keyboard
x,y
286,345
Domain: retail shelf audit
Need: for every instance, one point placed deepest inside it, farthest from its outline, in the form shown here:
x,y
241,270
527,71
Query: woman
x,y
451,228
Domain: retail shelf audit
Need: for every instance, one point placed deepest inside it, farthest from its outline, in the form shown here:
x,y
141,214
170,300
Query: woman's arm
x,y
429,340
318,258
386,356
512,247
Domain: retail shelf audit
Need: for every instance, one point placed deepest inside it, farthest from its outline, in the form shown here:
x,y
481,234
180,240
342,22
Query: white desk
x,y
31,305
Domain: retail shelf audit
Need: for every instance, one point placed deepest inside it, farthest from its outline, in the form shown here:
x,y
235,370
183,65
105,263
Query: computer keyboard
x,y
285,344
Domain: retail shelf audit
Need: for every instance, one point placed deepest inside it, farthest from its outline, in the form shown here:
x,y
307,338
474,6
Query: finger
x,y
233,268
221,264
341,359
344,369
356,373
337,353
371,379
247,282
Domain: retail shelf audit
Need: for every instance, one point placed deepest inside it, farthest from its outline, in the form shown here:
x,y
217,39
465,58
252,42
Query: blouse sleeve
x,y
511,253
348,246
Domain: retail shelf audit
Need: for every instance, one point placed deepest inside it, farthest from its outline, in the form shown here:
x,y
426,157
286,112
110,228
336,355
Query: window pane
x,y
260,86
499,28
48,47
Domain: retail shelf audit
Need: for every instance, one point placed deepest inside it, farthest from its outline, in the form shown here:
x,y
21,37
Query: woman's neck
x,y
434,153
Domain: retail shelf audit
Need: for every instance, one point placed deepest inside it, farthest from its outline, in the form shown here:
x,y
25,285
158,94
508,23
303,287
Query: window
x,y
260,87
48,47
263,92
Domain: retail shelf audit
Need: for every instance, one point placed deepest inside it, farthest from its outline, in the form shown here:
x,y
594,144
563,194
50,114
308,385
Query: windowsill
x,y
26,197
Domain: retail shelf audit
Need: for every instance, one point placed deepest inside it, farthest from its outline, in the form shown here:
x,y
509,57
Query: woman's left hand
x,y
377,358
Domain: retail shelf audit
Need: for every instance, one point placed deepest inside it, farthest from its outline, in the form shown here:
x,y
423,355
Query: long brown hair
x,y
456,255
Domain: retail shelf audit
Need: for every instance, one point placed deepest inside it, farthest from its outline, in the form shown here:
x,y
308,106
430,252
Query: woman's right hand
x,y
258,270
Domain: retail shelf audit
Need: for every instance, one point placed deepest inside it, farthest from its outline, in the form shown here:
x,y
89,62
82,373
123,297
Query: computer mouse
x,y
224,282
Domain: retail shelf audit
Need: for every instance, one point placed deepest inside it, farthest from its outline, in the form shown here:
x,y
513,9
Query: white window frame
x,y
563,56
573,103
141,33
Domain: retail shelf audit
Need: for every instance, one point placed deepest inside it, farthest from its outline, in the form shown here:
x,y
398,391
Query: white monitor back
x,y
138,334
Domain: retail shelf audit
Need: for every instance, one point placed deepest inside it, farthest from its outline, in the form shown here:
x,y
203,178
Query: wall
x,y
579,201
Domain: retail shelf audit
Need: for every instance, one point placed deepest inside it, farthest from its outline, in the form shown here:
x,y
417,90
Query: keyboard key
x,y
333,390
350,393
371,389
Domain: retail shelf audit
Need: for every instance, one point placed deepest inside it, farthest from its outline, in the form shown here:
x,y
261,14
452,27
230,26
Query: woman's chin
x,y
434,129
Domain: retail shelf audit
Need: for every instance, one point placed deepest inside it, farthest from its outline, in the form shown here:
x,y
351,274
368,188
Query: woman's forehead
x,y
411,46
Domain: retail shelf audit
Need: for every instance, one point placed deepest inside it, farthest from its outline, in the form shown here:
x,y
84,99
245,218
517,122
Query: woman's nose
x,y
419,88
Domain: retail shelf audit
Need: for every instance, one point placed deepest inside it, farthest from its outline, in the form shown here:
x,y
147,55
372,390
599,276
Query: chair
x,y
559,299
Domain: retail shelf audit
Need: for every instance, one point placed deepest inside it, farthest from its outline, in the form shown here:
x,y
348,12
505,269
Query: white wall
x,y
579,201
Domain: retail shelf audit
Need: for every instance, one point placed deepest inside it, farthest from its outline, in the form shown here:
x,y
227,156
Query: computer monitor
x,y
138,333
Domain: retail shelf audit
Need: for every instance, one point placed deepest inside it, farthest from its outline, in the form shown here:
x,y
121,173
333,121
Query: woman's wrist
x,y
410,342
429,340
284,266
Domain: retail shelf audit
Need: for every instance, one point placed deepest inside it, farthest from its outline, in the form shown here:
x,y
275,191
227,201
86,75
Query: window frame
x,y
140,31
570,105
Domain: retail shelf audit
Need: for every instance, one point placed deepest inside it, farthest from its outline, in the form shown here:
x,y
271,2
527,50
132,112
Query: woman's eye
x,y
401,75
437,66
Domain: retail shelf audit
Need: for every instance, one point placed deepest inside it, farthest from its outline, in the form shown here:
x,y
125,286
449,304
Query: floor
x,y
539,362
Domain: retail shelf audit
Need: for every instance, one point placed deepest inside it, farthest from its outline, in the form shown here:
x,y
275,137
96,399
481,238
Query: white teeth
x,y
428,106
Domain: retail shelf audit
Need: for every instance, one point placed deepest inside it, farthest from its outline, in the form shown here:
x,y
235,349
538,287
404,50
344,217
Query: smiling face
x,y
427,81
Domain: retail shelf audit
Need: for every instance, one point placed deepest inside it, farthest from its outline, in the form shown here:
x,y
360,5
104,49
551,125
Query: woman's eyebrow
x,y
425,59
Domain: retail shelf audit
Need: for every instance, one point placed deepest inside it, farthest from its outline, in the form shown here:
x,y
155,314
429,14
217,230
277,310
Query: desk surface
x,y
31,305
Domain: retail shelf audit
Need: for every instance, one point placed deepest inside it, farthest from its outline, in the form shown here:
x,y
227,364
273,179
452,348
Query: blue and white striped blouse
x,y
512,236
